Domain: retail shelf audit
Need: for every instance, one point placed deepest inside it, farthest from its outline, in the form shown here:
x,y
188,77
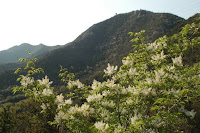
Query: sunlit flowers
x,y
127,61
110,69
69,101
25,81
160,56
59,98
177,60
77,83
47,92
101,126
45,82
94,97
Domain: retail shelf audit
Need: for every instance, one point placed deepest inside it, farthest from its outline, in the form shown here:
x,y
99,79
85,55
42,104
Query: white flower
x,y
108,104
119,129
95,84
176,92
135,119
132,72
191,113
160,56
110,69
77,83
177,61
59,98
124,91
47,92
105,93
45,81
159,74
43,106
69,101
129,101
36,93
127,61
149,81
60,116
94,97
26,80
154,46
101,126
85,110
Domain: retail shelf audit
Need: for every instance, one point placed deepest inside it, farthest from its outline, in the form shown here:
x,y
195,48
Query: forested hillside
x,y
154,88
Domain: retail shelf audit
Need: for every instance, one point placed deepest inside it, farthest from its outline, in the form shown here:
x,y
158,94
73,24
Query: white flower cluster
x,y
108,104
159,74
96,85
77,83
177,61
159,57
101,126
110,69
61,116
47,92
134,120
94,97
26,80
191,113
142,91
154,46
45,82
60,101
127,61
44,106
85,109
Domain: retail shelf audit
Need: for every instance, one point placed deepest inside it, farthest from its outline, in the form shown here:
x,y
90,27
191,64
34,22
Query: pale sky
x,y
57,22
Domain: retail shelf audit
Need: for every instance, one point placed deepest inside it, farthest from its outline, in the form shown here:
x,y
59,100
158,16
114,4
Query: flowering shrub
x,y
151,92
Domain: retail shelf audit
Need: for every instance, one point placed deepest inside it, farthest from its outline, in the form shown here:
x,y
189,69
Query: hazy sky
x,y
57,22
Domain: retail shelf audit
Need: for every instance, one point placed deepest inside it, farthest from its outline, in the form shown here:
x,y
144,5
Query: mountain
x,y
13,54
103,42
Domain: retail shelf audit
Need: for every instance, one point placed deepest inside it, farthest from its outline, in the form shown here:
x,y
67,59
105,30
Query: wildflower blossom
x,y
47,92
44,106
59,98
127,61
108,104
77,83
177,61
129,101
94,97
191,113
105,93
95,84
26,80
101,126
45,81
132,72
60,116
110,69
160,56
134,120
69,101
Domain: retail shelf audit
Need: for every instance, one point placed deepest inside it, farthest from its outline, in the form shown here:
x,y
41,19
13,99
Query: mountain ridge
x,y
12,54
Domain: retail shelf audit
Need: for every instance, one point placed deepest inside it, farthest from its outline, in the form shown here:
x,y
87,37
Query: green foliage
x,y
154,90
151,92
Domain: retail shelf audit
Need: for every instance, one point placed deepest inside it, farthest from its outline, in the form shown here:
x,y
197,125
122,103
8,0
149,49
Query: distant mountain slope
x,y
103,42
13,54
106,42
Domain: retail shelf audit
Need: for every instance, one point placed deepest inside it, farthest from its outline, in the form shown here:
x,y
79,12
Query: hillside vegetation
x,y
156,89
